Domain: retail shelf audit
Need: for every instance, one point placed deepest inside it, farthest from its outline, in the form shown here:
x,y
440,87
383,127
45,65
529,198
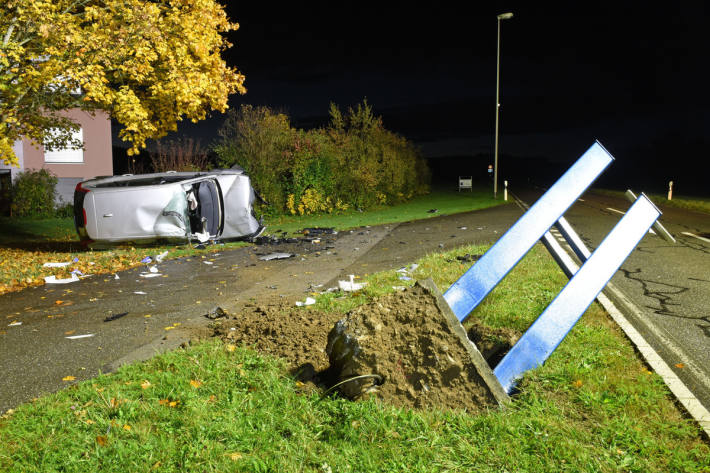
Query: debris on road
x,y
273,256
319,231
76,337
56,265
351,285
14,324
54,280
150,275
309,301
113,317
216,313
139,292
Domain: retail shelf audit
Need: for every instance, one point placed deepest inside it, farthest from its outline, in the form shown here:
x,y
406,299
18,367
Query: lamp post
x,y
502,16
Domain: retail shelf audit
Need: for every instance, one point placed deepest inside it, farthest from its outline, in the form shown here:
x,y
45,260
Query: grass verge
x,y
594,407
26,244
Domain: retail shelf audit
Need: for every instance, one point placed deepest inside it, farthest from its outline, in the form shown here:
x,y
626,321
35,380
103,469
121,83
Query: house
x,y
69,165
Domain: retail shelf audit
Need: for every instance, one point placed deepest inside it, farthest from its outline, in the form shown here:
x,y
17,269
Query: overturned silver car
x,y
183,206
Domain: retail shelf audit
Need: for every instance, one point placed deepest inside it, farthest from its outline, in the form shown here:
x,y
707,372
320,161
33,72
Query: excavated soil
x,y
407,343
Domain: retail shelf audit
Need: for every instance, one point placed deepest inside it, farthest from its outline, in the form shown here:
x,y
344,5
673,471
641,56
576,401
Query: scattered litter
x,y
432,211
200,247
467,258
115,276
319,231
150,275
75,337
76,271
273,256
462,228
202,237
399,288
309,301
14,324
111,318
215,313
160,257
351,285
153,269
76,260
56,265
139,292
54,280
208,262
147,260
405,278
315,241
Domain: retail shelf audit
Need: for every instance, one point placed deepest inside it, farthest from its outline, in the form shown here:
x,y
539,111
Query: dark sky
x,y
633,76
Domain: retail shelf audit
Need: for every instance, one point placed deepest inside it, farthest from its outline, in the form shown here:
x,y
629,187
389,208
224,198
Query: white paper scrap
x,y
74,337
139,292
54,280
309,301
14,324
351,285
56,265
150,275
153,269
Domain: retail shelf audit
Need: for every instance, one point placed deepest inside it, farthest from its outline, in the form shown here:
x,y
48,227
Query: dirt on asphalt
x,y
402,338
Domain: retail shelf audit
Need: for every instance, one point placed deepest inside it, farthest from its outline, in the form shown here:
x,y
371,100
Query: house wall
x,y
98,159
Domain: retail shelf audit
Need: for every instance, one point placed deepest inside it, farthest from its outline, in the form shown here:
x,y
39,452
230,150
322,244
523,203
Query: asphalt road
x,y
669,283
127,317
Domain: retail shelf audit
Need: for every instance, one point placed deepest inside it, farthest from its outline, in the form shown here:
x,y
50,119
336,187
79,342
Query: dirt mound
x,y
402,337
406,340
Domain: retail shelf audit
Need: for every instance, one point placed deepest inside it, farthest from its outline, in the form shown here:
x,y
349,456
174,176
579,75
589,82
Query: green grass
x,y
699,204
445,201
593,407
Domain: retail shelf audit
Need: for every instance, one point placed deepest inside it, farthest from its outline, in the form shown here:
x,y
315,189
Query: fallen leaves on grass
x,y
195,383
102,440
168,403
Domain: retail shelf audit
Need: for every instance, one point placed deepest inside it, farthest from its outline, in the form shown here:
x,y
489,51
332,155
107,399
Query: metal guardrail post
x,y
546,333
466,293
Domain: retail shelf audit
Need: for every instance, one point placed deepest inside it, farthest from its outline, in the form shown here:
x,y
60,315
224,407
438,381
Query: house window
x,y
67,155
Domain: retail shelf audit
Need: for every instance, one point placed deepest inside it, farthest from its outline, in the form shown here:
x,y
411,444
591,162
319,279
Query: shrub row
x,y
353,162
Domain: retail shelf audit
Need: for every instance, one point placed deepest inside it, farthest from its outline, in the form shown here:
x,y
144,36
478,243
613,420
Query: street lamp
x,y
502,16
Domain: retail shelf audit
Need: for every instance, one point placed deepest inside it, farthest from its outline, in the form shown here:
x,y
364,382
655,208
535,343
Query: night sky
x,y
634,77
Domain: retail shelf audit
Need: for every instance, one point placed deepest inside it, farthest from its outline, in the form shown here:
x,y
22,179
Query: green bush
x,y
354,162
34,193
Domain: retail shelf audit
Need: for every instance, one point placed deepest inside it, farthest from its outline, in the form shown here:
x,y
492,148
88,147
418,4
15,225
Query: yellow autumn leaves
x,y
150,64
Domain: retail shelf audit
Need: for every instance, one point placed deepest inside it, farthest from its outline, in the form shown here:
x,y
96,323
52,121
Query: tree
x,y
149,63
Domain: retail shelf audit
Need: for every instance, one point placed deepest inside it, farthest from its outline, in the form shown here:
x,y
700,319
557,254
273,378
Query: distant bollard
x,y
670,190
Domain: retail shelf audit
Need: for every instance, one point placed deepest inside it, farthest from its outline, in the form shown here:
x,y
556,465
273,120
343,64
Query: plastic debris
x,y
14,324
147,260
160,257
56,265
113,317
153,269
319,231
215,313
208,262
54,280
399,288
139,292
202,237
309,301
115,276
405,278
351,285
150,275
76,260
273,256
75,337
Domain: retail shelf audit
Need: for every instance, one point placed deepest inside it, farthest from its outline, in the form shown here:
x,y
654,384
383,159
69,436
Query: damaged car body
x,y
172,205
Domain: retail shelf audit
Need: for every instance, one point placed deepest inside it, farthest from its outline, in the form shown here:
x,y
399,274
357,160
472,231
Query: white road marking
x,y
696,236
650,230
